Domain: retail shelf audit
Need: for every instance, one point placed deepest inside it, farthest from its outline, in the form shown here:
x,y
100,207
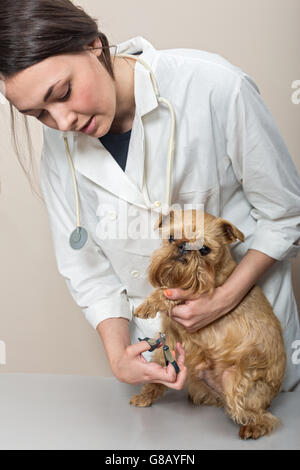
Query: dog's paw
x,y
253,431
141,312
144,311
140,400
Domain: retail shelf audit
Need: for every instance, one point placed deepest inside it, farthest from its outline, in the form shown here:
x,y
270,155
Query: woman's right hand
x,y
132,367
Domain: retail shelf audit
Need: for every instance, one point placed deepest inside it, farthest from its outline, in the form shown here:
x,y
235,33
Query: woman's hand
x,y
199,311
132,367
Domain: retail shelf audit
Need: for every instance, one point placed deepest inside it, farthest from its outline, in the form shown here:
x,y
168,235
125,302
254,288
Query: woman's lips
x,y
89,127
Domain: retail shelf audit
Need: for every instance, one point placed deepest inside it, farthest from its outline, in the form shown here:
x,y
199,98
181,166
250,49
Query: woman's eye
x,y
205,250
67,94
171,238
64,98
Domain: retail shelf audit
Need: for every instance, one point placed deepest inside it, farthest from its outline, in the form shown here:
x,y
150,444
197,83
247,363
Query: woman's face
x,y
82,88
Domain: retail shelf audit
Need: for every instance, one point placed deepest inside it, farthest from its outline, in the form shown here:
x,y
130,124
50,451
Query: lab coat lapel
x,y
92,160
146,101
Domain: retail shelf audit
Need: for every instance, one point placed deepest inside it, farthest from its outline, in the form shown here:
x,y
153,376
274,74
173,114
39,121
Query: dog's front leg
x,y
154,303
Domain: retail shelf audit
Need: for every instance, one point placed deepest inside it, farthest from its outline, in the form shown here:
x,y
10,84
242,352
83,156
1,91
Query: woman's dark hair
x,y
33,30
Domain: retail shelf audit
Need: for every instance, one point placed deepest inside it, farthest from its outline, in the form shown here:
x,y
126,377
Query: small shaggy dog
x,y
236,362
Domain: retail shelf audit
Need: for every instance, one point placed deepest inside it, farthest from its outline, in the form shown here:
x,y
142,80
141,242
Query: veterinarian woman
x,y
228,155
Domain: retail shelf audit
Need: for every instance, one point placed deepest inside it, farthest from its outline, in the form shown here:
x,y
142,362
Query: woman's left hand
x,y
199,311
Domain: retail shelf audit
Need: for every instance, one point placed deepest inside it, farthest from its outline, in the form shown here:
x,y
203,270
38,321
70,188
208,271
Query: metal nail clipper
x,y
155,343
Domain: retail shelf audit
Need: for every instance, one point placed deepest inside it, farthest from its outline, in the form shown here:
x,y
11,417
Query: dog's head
x,y
193,243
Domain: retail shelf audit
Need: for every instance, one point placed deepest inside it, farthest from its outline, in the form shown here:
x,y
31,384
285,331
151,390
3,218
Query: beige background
x,y
44,330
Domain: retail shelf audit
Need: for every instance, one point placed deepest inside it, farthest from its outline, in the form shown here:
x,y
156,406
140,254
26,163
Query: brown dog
x,y
238,361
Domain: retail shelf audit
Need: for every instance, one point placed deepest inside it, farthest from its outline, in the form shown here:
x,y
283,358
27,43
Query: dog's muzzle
x,y
186,247
182,251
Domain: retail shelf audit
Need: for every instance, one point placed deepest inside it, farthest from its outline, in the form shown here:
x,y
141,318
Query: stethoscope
x,y
79,236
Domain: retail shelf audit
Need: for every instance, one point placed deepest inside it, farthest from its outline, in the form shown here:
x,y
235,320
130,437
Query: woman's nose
x,y
65,119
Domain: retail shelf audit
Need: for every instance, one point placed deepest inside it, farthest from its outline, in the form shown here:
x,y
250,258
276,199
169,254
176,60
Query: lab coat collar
x,y
145,97
90,157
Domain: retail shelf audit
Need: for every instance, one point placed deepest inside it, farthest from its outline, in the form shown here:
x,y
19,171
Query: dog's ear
x,y
229,232
158,223
162,218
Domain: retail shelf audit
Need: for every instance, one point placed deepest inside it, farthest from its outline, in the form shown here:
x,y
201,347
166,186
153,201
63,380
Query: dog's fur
x,y
236,362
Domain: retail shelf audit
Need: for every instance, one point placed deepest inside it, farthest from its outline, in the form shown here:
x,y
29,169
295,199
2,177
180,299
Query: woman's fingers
x,y
172,380
137,348
161,374
180,356
178,384
182,374
181,353
156,373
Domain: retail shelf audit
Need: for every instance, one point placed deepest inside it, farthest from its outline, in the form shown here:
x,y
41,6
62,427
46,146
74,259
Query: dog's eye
x,y
171,238
205,250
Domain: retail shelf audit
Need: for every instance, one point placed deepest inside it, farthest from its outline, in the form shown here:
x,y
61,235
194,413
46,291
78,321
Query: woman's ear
x,y
95,47
229,232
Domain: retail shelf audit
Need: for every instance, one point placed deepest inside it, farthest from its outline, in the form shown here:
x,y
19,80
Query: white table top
x,y
44,411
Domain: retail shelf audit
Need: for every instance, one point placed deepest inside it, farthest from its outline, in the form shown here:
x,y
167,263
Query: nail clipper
x,y
155,343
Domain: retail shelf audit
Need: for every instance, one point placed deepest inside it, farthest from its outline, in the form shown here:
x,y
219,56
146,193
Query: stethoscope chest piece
x,y
78,238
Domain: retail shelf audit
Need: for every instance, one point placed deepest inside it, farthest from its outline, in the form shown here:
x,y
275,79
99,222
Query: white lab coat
x,y
229,155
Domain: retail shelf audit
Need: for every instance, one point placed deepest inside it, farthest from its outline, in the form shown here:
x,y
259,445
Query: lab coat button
x,y
112,215
135,274
157,203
